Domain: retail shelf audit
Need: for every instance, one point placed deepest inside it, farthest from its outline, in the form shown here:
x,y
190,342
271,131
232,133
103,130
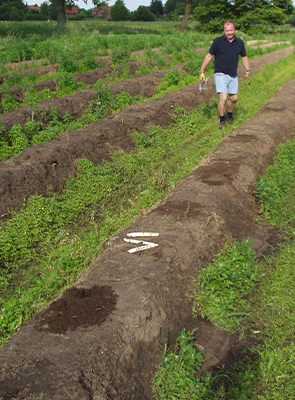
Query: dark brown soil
x,y
68,312
135,303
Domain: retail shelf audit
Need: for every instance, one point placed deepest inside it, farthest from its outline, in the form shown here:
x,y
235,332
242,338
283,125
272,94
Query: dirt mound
x,y
152,291
48,165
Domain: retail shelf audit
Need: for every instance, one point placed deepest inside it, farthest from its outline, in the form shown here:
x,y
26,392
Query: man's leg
x,y
231,105
232,102
221,109
222,103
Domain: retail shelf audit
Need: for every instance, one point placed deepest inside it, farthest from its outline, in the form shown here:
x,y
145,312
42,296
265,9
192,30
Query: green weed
x,y
176,375
222,287
271,189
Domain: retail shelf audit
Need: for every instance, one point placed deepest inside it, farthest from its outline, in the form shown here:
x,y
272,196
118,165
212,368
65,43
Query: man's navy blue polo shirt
x,y
227,54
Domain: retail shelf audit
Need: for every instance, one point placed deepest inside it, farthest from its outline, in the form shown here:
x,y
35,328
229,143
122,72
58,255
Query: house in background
x,y
102,12
71,10
36,8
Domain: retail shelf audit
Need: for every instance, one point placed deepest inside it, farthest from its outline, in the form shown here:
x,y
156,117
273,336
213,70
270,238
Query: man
x,y
226,49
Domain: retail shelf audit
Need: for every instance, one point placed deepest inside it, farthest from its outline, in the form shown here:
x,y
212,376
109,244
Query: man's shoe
x,y
229,120
221,125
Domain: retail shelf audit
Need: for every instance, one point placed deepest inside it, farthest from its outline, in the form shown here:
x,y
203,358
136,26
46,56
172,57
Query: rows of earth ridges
x,y
23,68
116,359
48,165
76,104
88,78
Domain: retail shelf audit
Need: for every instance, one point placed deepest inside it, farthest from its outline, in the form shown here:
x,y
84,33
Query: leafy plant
x,y
272,187
222,286
176,375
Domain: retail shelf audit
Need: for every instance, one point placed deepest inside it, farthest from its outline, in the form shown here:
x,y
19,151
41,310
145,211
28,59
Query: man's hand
x,y
202,77
248,77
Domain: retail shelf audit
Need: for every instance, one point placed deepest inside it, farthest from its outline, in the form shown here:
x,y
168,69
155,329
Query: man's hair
x,y
229,22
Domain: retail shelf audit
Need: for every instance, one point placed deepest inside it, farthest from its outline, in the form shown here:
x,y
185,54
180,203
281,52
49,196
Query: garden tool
x,y
203,82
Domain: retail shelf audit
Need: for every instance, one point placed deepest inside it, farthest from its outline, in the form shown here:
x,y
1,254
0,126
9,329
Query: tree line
x,y
209,13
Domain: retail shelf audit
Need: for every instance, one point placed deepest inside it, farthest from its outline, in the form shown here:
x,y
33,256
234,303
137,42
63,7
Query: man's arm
x,y
246,63
206,62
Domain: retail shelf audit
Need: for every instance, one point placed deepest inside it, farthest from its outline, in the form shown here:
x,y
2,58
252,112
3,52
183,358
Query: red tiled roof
x,y
71,10
34,8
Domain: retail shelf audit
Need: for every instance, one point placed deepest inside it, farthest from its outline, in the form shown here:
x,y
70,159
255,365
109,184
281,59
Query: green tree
x,y
60,6
4,12
48,11
156,7
170,6
208,10
12,10
143,14
245,13
16,15
119,12
286,5
178,6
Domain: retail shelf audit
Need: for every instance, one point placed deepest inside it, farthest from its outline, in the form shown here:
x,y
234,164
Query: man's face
x,y
229,31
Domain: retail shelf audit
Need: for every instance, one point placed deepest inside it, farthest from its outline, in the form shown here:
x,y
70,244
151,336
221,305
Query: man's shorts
x,y
226,83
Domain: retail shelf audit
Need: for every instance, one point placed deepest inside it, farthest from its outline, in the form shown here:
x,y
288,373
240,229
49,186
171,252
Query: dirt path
x,y
137,302
48,165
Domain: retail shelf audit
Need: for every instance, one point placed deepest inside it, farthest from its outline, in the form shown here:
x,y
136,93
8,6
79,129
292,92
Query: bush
x,y
119,12
143,14
292,20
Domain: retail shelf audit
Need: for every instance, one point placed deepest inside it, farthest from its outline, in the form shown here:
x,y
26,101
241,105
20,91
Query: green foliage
x,y
292,20
272,188
8,103
67,85
247,16
156,7
120,55
119,11
170,79
143,14
176,375
121,101
265,16
222,286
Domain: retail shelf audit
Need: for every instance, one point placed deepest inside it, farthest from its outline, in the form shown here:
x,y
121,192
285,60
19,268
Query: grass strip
x,y
222,287
271,375
236,282
47,246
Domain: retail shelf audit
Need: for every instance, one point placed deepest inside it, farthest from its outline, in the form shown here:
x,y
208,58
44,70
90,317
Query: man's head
x,y
229,30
